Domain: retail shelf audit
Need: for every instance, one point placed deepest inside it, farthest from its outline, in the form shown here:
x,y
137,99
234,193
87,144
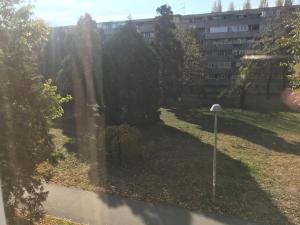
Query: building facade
x,y
224,37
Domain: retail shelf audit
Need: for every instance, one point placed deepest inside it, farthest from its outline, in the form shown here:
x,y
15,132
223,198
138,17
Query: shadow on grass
x,y
239,128
69,126
177,171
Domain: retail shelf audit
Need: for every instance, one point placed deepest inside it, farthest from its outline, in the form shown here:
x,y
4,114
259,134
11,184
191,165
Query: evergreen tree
x,y
53,53
279,3
170,54
27,106
131,79
82,64
263,4
247,5
231,7
81,76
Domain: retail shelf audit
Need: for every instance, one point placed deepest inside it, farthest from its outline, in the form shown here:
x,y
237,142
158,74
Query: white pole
x,y
2,213
215,158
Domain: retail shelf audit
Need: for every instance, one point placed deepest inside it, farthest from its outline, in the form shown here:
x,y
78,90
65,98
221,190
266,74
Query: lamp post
x,y
2,214
215,108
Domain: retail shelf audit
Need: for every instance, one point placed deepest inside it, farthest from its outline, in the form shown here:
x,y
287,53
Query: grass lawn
x,y
258,170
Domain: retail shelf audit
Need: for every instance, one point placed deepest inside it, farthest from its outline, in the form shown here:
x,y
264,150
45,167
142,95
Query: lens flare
x,y
291,99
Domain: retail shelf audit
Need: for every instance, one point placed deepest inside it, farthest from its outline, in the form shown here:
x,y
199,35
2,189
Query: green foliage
x,y
277,30
50,94
170,54
291,43
194,65
81,67
53,53
295,78
131,79
121,143
242,85
81,76
278,40
27,106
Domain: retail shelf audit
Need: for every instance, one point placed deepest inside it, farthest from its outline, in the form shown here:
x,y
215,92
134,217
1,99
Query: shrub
x,y
121,143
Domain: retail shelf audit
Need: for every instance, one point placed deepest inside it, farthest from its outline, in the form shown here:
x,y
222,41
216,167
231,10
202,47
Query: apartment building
x,y
224,37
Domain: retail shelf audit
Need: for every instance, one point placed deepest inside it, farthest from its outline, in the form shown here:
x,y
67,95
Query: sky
x,y
67,12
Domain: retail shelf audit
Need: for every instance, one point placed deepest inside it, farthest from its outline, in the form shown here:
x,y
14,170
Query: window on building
x,y
201,29
253,27
147,34
220,29
238,28
243,28
233,29
199,19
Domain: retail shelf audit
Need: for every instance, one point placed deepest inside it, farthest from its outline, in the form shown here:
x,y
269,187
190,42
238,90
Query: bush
x,y
121,143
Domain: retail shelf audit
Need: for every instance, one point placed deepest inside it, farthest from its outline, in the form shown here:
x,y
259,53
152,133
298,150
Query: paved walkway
x,y
103,209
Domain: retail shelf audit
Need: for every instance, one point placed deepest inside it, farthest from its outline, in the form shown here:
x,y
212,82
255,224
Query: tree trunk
x,y
284,82
269,79
268,86
242,98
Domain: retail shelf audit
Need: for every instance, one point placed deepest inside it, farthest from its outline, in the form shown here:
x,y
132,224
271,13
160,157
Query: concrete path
x,y
103,209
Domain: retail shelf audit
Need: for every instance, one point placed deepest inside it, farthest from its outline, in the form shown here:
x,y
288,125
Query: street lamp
x,y
2,214
215,108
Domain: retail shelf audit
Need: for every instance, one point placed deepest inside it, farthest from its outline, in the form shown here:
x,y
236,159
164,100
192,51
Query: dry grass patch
x,y
47,220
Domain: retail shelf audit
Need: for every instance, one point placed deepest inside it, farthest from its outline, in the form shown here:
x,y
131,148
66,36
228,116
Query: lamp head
x,y
216,108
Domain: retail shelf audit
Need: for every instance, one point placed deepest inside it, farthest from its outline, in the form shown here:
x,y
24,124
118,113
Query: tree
x,y
131,78
27,106
81,76
290,42
193,66
263,4
247,5
242,85
170,54
295,78
231,6
82,63
271,43
288,2
274,64
279,3
220,6
53,53
276,28
217,6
